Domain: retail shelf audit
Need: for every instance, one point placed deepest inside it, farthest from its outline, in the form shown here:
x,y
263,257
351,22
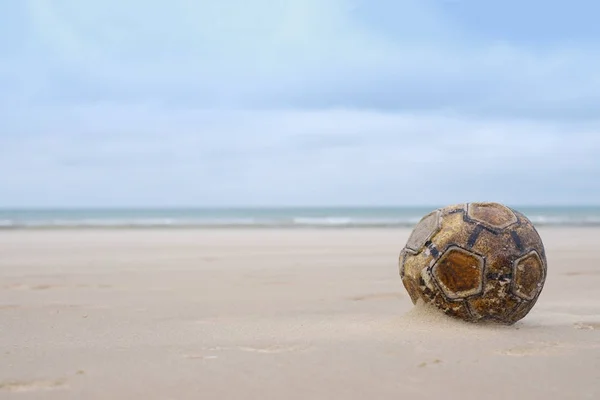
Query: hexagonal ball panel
x,y
425,229
528,276
493,215
459,273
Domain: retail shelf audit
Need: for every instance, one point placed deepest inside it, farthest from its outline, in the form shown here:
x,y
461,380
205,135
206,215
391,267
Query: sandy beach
x,y
275,314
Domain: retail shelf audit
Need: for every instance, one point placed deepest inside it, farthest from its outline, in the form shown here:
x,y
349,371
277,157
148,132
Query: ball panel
x,y
529,238
492,215
451,231
424,230
499,258
415,264
414,267
494,308
459,308
454,208
522,310
528,275
401,258
412,288
459,273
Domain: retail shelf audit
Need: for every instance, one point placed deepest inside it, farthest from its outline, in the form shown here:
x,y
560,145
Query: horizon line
x,y
254,207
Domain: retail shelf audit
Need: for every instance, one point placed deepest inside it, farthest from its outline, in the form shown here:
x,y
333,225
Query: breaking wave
x,y
334,221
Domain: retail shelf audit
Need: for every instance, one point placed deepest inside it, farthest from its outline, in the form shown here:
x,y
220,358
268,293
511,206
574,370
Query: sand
x,y
275,314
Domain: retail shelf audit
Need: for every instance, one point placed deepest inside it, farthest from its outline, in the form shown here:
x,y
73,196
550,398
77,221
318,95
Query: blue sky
x,y
305,102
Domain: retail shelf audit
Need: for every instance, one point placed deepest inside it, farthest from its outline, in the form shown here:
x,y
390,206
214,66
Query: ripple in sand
x,y
577,273
47,286
534,349
590,326
424,364
51,306
377,296
274,349
200,357
33,386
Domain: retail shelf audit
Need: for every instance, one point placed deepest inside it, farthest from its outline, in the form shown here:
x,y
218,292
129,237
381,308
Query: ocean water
x,y
267,217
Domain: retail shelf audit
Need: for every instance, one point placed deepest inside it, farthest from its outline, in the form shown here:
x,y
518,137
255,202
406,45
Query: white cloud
x,y
296,157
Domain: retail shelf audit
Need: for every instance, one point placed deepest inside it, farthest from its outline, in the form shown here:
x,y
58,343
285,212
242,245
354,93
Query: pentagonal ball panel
x,y
528,276
459,273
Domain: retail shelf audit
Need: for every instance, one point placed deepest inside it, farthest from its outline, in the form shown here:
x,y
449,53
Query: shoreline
x,y
261,227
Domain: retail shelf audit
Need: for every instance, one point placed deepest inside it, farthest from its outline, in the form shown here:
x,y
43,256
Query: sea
x,y
274,217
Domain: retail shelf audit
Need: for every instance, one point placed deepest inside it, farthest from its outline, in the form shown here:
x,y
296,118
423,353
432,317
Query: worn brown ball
x,y
476,262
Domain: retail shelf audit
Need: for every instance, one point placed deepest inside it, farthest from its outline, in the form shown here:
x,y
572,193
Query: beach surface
x,y
275,314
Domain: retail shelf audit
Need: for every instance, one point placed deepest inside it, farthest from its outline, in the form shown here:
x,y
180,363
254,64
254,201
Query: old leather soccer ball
x,y
476,262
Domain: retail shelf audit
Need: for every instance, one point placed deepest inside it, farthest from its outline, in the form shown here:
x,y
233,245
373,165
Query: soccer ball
x,y
476,262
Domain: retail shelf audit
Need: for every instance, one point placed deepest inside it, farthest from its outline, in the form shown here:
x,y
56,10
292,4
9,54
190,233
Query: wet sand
x,y
275,314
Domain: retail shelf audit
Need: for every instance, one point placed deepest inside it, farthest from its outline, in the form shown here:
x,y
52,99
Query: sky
x,y
298,102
